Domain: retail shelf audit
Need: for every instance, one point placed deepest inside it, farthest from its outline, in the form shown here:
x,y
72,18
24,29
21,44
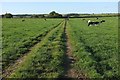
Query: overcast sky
x,y
60,7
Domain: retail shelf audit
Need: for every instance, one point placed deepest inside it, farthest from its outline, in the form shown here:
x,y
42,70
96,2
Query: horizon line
x,y
62,13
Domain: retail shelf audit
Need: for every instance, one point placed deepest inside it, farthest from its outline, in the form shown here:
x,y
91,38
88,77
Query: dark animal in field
x,y
93,23
23,20
45,19
102,21
83,19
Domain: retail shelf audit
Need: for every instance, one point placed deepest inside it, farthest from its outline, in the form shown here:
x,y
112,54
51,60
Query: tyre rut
x,y
13,66
70,71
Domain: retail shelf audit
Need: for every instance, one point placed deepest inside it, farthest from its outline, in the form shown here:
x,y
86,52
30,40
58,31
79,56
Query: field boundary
x,y
13,66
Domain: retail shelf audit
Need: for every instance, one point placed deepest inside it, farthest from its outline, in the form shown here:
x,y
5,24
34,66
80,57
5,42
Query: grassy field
x,y
19,36
47,58
96,48
37,48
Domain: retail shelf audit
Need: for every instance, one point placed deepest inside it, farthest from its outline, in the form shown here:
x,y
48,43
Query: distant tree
x,y
2,16
8,15
54,14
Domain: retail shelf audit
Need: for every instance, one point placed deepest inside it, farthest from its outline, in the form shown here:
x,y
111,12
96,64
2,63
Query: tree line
x,y
54,14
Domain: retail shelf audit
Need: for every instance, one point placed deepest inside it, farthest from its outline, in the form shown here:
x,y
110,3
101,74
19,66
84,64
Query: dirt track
x,y
70,60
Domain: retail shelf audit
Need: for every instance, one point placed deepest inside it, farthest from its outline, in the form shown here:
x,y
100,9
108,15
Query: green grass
x,y
95,47
19,36
47,59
